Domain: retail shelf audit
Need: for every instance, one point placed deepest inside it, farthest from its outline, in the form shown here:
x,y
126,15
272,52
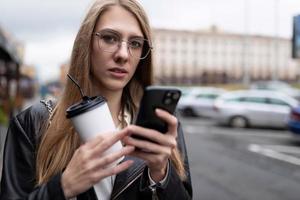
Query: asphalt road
x,y
242,164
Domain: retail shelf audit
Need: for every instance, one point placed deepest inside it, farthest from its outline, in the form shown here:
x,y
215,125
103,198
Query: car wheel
x,y
238,122
189,112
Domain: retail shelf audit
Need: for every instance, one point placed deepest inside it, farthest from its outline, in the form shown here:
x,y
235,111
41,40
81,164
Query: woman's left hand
x,y
158,148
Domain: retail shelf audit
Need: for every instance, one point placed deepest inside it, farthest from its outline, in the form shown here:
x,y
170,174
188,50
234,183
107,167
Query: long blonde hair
x,y
60,140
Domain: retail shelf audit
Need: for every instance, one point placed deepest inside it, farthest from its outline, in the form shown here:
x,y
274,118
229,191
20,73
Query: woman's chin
x,y
115,85
110,84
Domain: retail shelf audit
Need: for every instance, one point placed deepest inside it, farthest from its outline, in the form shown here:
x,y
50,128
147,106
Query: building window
x,y
173,40
174,51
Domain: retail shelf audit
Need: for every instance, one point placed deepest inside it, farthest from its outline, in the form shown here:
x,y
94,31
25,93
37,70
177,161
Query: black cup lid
x,y
85,105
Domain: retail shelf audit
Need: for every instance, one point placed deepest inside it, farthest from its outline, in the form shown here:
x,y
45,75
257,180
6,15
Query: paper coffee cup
x,y
92,117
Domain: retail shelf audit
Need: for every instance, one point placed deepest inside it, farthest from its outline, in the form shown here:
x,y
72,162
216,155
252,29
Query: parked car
x,y
294,121
199,101
279,86
254,108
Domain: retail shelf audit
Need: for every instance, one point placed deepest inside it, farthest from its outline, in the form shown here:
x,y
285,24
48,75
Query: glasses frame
x,y
99,34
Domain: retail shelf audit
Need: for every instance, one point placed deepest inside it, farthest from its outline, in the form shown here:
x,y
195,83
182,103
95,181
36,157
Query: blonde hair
x,y
60,141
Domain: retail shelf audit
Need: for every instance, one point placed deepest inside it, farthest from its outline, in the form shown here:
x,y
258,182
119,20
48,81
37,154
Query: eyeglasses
x,y
110,41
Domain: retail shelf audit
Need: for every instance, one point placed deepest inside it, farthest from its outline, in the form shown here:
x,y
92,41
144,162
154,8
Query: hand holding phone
x,y
162,97
151,146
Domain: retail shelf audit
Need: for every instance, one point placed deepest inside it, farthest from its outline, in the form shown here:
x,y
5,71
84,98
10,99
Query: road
x,y
242,164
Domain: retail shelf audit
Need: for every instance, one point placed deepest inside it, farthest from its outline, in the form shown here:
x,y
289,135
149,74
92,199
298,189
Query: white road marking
x,y
284,149
228,131
273,154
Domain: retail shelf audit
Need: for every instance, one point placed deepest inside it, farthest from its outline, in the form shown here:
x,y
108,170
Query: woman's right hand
x,y
87,168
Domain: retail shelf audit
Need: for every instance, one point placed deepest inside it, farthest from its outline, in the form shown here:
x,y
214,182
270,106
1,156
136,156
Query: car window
x,y
277,102
185,93
255,99
207,96
234,99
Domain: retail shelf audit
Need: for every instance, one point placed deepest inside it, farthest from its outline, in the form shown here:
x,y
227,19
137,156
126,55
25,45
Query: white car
x,y
278,86
254,108
199,101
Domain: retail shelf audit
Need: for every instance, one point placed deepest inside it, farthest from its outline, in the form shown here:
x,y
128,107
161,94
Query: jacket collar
x,y
127,177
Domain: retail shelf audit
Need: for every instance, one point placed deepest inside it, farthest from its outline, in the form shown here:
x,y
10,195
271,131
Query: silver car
x,y
199,101
254,108
278,86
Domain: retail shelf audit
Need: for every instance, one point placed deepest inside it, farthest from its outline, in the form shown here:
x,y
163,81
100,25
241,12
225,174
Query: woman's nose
x,y
123,50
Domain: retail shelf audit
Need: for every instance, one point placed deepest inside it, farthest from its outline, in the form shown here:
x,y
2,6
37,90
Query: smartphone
x,y
162,97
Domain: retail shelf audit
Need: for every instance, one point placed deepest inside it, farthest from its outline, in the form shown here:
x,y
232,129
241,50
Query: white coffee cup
x,y
92,117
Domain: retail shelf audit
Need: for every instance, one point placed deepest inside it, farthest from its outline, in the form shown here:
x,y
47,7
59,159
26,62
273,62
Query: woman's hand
x,y
158,150
87,167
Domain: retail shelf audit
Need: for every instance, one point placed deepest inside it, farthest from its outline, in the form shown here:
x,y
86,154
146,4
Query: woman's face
x,y
112,64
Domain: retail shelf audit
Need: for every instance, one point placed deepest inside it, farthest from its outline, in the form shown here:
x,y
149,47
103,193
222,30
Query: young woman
x,y
44,157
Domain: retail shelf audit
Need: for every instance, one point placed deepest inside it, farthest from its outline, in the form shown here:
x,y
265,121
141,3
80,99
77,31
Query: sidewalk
x,y
2,139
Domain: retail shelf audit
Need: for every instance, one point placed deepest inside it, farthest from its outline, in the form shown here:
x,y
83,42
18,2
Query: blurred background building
x,y
10,61
213,56
16,81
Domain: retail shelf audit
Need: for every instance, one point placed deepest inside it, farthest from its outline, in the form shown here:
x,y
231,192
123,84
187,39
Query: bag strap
x,y
49,105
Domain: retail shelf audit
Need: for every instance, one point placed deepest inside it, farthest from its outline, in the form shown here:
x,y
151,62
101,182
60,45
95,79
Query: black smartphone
x,y
162,97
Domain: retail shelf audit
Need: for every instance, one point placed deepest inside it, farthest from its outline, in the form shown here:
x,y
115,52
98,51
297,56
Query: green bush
x,y
3,118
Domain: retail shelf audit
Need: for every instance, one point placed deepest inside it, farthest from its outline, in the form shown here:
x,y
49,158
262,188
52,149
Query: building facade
x,y
10,62
192,57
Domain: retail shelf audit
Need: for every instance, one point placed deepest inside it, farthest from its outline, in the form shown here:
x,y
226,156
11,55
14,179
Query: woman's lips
x,y
118,72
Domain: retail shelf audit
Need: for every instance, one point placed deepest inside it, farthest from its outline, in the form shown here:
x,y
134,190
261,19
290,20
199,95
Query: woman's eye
x,y
136,44
110,39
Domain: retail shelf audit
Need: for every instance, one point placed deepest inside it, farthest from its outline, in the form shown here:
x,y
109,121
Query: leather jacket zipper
x,y
126,186
154,194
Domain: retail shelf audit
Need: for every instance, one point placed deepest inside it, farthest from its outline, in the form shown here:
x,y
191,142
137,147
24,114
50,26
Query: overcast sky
x,y
48,28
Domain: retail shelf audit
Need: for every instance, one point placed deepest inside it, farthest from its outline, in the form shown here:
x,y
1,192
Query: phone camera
x,y
169,94
175,96
167,101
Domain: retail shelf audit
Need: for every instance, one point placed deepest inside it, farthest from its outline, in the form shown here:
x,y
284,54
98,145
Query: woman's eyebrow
x,y
132,35
109,30
137,37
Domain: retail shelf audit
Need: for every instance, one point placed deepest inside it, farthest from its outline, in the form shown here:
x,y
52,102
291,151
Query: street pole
x,y
276,45
246,79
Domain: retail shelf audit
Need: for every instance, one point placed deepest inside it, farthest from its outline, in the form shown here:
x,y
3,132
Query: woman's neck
x,y
114,103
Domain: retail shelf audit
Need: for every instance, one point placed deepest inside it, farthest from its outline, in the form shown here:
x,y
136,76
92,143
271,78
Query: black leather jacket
x,y
18,177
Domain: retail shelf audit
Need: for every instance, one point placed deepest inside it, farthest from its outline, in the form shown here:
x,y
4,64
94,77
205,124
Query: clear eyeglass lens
x,y
138,47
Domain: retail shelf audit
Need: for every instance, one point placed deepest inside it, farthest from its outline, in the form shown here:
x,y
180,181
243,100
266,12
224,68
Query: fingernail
x,y
130,162
130,148
157,110
125,138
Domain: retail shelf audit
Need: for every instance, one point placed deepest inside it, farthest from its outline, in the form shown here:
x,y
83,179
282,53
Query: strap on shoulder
x,y
49,105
